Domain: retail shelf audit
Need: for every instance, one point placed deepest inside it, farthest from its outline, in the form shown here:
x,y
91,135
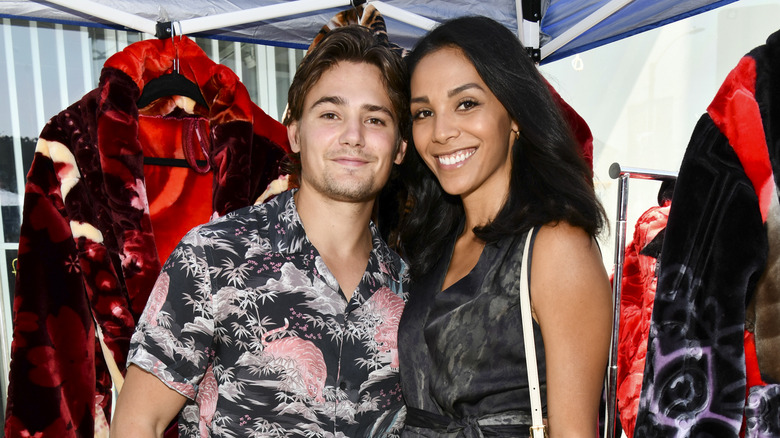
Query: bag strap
x,y
538,429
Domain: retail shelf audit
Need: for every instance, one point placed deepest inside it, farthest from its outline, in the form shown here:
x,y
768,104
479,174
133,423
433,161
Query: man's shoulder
x,y
254,216
245,226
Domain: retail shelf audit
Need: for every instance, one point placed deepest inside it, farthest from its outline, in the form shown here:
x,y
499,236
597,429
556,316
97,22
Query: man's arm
x,y
145,406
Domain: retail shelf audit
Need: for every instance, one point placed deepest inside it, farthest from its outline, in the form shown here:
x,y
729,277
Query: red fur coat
x,y
96,223
636,306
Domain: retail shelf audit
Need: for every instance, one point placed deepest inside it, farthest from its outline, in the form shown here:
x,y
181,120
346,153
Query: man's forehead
x,y
332,87
353,69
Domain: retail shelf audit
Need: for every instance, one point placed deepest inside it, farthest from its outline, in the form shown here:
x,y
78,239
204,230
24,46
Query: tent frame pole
x,y
528,31
109,14
261,13
237,18
583,26
403,16
520,22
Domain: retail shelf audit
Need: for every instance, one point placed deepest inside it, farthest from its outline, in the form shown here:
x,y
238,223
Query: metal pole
x,y
254,15
616,170
622,174
404,16
519,13
109,14
620,244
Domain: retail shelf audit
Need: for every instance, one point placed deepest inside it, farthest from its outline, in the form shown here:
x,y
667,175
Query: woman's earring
x,y
516,132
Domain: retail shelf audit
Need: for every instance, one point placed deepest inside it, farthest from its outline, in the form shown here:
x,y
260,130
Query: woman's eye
x,y
421,114
468,104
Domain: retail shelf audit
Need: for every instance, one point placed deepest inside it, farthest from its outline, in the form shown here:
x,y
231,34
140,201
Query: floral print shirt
x,y
248,323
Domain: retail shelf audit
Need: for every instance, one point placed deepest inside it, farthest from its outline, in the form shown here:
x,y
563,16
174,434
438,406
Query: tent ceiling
x,y
296,29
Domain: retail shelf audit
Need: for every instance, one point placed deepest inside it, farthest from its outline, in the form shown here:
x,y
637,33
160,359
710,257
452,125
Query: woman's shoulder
x,y
566,255
553,237
562,236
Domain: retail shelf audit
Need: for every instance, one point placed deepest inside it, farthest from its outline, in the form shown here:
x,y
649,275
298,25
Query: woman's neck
x,y
480,210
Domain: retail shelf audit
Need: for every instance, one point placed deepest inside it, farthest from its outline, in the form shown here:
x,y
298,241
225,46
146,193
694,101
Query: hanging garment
x,y
716,257
636,306
88,250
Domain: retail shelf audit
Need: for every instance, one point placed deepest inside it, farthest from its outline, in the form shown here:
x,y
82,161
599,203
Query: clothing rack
x,y
622,174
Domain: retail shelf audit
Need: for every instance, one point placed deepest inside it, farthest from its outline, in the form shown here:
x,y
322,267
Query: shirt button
x,y
343,385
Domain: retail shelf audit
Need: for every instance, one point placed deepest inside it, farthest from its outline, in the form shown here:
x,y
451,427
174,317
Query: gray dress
x,y
463,370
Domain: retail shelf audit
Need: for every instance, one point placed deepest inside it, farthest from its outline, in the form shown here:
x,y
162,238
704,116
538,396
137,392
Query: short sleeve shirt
x,y
248,323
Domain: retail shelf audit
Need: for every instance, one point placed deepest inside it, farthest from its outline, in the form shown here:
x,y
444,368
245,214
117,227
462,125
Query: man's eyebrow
x,y
381,108
336,100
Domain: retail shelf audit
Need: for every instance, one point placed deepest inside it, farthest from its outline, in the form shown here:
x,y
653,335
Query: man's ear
x,y
400,153
292,136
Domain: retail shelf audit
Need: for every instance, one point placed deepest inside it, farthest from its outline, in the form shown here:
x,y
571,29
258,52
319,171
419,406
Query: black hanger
x,y
173,83
170,84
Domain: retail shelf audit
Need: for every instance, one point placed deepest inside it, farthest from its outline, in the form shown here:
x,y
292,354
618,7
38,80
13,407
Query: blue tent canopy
x,y
635,17
566,27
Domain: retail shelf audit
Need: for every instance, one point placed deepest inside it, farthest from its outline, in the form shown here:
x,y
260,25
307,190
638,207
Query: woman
x,y
493,158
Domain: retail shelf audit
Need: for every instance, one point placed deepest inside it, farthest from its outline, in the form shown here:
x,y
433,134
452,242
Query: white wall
x,y
643,95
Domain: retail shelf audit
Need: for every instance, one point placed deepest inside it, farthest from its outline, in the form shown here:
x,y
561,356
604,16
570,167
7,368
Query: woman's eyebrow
x,y
463,88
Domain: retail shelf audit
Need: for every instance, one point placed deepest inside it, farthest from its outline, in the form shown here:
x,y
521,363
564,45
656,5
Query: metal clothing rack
x,y
622,174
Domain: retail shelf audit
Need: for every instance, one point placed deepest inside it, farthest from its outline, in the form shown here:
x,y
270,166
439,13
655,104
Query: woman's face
x,y
460,129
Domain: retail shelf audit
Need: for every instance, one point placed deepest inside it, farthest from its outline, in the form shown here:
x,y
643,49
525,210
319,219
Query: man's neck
x,y
339,230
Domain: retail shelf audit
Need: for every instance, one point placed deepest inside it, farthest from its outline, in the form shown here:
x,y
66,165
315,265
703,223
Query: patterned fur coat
x,y
90,246
721,257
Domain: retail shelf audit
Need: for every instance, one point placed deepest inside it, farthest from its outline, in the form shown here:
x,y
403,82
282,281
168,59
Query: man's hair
x,y
352,43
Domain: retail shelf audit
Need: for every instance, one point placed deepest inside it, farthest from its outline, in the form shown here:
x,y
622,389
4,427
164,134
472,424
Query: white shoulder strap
x,y
538,430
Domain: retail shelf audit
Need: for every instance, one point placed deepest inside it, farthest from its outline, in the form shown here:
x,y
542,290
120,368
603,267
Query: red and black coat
x,y
96,222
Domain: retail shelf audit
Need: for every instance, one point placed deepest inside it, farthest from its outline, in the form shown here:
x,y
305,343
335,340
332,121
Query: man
x,y
281,319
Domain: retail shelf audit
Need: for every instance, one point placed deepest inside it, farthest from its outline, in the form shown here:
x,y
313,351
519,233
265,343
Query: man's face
x,y
348,135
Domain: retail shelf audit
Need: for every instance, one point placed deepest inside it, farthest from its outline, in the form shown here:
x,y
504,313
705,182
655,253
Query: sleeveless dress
x,y
462,359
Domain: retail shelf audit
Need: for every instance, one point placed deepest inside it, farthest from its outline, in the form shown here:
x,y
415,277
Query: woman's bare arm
x,y
572,301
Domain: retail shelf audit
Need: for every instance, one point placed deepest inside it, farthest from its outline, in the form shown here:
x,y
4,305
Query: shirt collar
x,y
290,237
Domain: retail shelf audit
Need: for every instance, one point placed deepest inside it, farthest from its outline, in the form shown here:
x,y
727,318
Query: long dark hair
x,y
550,180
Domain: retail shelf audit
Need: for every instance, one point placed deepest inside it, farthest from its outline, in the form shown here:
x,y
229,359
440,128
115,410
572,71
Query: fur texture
x,y
714,255
88,251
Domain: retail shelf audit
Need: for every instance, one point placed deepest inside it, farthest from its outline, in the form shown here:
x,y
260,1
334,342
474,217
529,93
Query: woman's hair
x,y
550,180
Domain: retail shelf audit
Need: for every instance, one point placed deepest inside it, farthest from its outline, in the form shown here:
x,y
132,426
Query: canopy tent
x,y
553,29
566,27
